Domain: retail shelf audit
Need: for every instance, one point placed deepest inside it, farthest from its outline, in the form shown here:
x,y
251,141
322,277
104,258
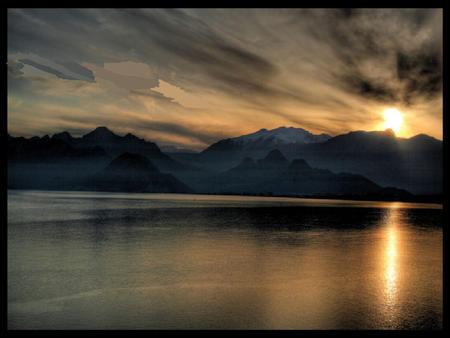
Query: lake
x,y
82,260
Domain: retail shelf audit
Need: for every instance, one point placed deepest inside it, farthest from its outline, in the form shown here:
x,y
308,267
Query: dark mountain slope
x,y
134,173
275,175
48,149
115,145
414,164
50,163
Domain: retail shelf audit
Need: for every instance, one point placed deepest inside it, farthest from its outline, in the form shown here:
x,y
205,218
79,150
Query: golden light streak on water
x,y
391,266
391,262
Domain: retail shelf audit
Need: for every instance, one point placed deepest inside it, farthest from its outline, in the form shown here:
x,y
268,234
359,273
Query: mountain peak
x,y
275,156
283,134
130,136
103,130
423,137
65,136
100,133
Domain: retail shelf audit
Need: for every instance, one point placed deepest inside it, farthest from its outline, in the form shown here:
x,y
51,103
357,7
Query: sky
x,y
190,77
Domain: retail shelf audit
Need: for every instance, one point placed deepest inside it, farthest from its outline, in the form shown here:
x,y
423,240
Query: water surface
x,y
80,260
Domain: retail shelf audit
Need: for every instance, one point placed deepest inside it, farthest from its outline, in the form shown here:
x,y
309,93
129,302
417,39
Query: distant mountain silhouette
x,y
48,149
65,137
414,164
134,173
63,161
273,159
115,145
275,175
290,161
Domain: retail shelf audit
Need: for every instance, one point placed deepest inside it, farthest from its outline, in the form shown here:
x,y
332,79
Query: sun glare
x,y
393,119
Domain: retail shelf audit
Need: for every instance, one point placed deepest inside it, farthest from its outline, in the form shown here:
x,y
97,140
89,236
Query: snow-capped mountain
x,y
283,135
258,143
229,152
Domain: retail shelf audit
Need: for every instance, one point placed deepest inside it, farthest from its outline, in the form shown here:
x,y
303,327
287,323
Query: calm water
x,y
138,261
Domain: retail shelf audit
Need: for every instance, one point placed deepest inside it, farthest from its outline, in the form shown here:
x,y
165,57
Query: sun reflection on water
x,y
390,275
390,261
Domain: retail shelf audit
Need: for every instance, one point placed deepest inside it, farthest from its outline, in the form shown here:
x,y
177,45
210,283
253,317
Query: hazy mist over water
x,y
80,260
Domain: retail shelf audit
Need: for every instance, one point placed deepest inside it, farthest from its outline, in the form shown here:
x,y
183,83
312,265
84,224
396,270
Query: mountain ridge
x,y
413,164
131,172
275,174
114,145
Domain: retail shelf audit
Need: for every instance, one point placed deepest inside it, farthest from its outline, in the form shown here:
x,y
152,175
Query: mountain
x,y
273,159
281,135
275,175
48,149
115,145
134,173
100,135
50,163
258,143
63,161
65,137
99,141
413,164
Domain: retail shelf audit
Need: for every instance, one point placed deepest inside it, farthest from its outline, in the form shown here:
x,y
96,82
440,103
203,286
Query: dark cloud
x,y
46,69
369,88
421,74
170,40
186,48
201,51
83,72
79,72
391,40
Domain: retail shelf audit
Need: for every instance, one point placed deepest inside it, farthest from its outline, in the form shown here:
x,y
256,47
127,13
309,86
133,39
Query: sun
x,y
393,119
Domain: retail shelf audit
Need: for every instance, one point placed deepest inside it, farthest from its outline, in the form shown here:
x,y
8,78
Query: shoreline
x,y
431,200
